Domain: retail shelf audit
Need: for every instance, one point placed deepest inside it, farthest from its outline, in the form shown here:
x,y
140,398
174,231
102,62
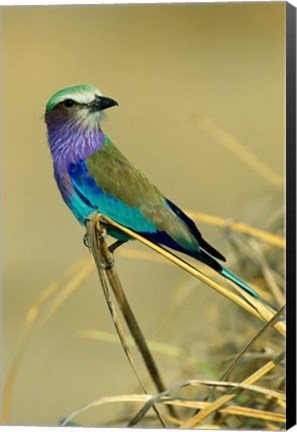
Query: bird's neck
x,y
70,143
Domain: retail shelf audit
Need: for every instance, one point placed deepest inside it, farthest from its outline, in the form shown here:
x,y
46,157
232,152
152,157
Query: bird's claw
x,y
102,234
107,265
86,241
104,266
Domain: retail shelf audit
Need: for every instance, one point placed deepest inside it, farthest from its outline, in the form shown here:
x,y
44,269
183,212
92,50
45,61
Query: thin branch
x,y
104,263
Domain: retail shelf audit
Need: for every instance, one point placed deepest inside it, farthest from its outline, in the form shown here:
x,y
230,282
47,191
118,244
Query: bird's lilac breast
x,y
70,145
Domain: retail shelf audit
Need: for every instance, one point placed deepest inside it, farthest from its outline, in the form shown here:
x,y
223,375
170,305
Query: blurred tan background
x,y
170,67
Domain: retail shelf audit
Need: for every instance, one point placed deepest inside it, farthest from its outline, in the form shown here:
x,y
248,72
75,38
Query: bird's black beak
x,y
101,103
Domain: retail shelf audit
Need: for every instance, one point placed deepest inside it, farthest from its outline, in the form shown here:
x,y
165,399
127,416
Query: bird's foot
x,y
115,245
108,265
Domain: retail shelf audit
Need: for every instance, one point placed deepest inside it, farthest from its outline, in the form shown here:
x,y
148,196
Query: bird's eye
x,y
68,103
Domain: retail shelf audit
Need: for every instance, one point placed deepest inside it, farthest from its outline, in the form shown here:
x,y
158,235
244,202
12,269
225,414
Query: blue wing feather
x,y
92,198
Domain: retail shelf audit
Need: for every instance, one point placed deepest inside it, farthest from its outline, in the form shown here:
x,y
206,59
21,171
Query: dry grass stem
x,y
163,398
162,348
233,225
229,142
269,274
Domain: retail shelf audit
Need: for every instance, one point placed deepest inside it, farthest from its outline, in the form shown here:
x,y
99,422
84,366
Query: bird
x,y
93,175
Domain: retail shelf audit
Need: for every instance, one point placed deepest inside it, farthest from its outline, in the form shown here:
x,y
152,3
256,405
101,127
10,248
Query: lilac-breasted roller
x,y
93,175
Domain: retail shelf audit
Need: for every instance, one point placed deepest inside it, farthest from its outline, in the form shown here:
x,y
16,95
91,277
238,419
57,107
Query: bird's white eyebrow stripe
x,y
81,98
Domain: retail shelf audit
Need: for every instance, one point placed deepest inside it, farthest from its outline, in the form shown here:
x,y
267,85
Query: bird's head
x,y
82,105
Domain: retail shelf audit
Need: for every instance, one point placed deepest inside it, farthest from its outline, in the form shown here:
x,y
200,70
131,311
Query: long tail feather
x,y
215,265
233,278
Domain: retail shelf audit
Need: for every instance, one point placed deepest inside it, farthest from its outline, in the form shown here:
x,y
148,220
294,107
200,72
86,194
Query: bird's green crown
x,y
83,93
